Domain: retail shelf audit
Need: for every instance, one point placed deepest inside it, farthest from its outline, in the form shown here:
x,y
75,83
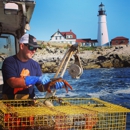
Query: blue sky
x,y
81,17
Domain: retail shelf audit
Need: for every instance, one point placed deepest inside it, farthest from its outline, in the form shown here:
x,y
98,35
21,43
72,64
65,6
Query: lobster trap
x,y
62,114
109,117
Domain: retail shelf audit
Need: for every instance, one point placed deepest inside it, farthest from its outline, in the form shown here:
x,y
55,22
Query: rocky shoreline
x,y
49,58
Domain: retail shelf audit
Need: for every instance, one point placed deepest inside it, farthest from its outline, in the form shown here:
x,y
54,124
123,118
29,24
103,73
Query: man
x,y
21,73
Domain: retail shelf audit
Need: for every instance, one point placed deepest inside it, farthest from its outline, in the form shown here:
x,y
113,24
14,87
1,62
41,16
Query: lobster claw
x,y
52,84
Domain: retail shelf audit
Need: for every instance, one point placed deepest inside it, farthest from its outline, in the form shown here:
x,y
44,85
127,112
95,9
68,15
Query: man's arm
x,y
16,82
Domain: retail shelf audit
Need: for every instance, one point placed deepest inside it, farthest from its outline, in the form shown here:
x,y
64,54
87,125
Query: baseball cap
x,y
30,40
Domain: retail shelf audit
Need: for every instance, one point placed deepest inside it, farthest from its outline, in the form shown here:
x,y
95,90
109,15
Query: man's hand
x,y
57,84
32,80
47,82
43,79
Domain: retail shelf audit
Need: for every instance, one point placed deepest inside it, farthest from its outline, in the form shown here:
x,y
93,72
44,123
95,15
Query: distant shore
x,y
118,56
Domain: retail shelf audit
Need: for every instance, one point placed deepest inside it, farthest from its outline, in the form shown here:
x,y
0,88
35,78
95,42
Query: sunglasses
x,y
31,48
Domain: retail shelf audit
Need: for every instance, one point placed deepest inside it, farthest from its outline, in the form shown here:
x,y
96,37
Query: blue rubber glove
x,y
32,80
43,80
59,85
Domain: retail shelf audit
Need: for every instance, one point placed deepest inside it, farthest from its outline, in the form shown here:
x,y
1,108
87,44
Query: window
x,y
122,41
7,46
69,36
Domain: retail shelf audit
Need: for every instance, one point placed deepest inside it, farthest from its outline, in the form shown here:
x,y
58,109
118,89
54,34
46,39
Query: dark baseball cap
x,y
30,40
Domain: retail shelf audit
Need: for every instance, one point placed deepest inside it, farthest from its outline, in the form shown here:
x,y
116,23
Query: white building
x,y
63,37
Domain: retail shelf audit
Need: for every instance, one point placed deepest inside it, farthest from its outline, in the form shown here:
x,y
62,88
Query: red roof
x,y
64,34
120,38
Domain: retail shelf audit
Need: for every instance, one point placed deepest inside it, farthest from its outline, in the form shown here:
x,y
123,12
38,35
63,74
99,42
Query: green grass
x,y
87,48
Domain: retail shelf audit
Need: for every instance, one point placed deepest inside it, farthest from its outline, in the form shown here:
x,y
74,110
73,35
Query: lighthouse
x,y
102,27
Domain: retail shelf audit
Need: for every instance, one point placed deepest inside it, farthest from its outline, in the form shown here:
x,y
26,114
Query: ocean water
x,y
112,85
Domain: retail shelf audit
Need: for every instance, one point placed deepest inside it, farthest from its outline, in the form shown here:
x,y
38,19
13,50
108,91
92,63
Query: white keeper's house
x,y
63,37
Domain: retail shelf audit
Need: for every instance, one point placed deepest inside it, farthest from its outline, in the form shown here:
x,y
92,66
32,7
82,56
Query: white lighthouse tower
x,y
102,27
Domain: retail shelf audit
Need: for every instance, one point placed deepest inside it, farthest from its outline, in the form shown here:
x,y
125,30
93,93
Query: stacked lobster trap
x,y
62,114
109,116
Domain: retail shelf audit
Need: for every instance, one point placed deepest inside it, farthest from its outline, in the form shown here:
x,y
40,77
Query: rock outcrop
x,y
119,56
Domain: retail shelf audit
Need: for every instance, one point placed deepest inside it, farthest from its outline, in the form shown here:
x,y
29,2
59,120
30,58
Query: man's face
x,y
28,51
